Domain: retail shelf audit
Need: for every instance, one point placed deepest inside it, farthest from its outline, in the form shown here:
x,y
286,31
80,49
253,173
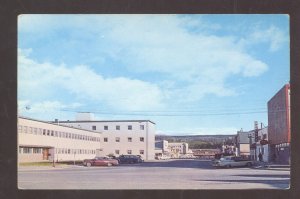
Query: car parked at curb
x,y
130,159
232,161
100,161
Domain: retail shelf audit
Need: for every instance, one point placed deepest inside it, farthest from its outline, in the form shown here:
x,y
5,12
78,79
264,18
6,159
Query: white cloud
x,y
39,81
162,44
271,35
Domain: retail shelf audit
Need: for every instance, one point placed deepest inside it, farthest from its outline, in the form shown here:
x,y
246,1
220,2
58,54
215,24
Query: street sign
x,y
264,142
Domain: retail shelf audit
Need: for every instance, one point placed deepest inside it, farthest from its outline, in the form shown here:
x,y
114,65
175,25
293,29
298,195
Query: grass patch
x,y
77,162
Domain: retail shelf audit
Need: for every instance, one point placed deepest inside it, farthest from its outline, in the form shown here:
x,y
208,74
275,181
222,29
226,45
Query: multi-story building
x,y
119,137
172,149
178,148
279,125
44,141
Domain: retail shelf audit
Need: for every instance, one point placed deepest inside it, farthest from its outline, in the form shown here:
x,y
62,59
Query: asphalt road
x,y
166,174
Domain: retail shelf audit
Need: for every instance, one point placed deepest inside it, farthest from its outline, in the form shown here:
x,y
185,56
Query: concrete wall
x,y
244,149
113,130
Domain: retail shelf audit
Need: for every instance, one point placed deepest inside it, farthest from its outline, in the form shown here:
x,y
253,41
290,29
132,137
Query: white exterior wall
x,y
79,148
265,151
181,148
244,149
110,147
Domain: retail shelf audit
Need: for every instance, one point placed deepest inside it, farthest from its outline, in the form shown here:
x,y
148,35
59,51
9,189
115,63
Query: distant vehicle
x,y
232,161
163,157
100,161
130,159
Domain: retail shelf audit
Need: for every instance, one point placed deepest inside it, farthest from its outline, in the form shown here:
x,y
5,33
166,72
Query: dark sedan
x,y
130,159
100,161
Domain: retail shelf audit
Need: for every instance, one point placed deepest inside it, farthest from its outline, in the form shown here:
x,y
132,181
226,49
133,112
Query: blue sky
x,y
190,74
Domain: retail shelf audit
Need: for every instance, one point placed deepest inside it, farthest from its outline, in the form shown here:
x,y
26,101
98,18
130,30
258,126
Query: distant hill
x,y
199,141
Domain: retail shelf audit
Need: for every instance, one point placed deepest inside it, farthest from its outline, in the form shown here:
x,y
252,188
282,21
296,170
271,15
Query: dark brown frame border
x,y
10,9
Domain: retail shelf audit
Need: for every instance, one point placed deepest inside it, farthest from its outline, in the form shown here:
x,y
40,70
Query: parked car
x,y
232,161
100,161
130,159
163,157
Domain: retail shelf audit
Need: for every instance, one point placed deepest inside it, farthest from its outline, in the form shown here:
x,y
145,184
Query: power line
x,y
174,115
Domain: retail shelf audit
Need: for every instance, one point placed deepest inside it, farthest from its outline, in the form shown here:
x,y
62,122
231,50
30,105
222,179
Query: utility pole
x,y
250,143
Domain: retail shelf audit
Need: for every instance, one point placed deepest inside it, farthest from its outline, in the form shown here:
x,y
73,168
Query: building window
x,y
117,127
129,139
105,139
30,130
27,150
142,127
142,139
52,133
105,127
264,136
117,139
25,129
35,131
94,128
142,152
20,150
44,131
117,152
48,132
20,129
129,151
37,150
129,127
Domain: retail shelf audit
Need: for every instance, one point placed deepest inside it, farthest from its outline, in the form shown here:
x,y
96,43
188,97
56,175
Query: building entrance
x,y
45,154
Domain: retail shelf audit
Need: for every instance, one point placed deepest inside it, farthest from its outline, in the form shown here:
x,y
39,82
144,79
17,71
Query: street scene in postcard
x,y
153,102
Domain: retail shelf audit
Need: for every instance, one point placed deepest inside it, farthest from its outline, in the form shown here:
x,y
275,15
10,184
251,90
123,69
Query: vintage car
x,y
100,161
232,161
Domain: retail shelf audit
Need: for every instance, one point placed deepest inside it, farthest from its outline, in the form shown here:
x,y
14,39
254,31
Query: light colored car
x,y
232,161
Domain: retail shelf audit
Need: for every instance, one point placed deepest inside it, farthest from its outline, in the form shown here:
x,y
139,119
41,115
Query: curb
x,y
37,168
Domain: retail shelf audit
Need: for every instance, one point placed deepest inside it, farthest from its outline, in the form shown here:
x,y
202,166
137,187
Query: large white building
x,y
43,141
119,137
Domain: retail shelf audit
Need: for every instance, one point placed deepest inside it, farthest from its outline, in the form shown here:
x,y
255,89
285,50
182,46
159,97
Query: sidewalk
x,y
273,166
40,168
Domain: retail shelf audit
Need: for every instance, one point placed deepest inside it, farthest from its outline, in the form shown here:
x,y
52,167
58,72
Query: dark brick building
x,y
279,125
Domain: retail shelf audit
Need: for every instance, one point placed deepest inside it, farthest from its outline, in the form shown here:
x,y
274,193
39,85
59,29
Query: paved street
x,y
167,174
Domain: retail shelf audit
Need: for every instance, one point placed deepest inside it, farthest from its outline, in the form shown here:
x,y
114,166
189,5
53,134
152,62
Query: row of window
x,y
27,150
46,132
282,145
129,152
129,139
117,127
74,151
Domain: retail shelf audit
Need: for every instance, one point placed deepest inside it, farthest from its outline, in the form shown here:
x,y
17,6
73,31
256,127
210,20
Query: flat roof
x,y
53,123
86,121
